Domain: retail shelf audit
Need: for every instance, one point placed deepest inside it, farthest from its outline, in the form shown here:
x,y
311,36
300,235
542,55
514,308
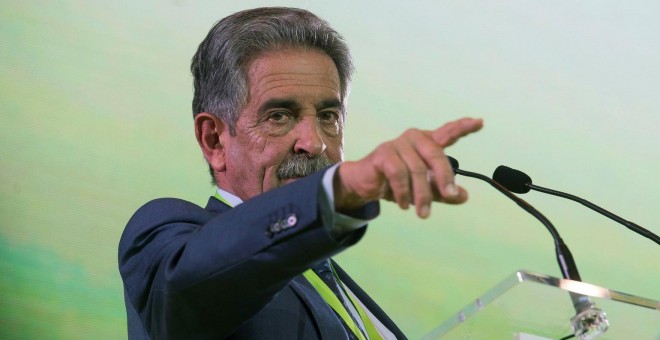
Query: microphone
x,y
520,183
564,257
589,321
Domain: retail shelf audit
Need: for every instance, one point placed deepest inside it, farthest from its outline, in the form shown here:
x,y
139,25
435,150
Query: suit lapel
x,y
368,302
329,325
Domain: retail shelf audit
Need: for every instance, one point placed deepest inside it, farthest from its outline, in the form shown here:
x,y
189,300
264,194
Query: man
x,y
269,107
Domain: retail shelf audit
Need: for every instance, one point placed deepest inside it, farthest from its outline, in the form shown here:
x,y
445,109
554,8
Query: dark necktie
x,y
324,271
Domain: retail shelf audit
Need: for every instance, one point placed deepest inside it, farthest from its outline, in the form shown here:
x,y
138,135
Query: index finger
x,y
451,132
445,136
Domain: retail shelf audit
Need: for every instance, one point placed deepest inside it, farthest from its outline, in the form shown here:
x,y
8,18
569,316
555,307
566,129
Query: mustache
x,y
301,165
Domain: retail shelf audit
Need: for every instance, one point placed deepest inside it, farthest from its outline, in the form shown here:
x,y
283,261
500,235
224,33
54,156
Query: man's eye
x,y
278,117
328,116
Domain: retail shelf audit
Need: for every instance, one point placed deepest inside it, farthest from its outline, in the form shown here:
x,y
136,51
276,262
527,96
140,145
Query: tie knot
x,y
323,266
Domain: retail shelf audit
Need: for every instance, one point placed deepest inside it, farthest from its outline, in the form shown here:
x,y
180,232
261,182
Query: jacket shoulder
x,y
162,209
158,213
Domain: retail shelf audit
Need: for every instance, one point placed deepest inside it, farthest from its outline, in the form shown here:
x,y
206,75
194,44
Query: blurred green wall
x,y
96,120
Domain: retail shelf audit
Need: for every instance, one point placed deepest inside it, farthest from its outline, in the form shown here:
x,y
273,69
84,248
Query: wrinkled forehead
x,y
293,70
295,60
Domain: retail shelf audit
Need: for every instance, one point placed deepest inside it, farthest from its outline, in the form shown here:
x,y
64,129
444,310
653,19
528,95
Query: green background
x,y
96,120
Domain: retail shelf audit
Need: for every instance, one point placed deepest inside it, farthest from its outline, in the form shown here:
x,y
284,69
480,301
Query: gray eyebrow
x,y
324,104
289,104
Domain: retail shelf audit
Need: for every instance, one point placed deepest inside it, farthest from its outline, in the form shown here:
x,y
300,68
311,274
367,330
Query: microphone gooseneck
x,y
589,322
564,257
520,183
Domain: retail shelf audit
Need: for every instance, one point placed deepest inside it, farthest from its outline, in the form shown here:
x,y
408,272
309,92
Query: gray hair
x,y
220,65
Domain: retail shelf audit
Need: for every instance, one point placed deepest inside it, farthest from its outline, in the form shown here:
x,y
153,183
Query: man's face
x,y
293,113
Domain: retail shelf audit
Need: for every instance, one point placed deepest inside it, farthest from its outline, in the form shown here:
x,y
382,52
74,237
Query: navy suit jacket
x,y
220,272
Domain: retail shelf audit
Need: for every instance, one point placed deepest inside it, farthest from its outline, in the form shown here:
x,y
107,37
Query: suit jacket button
x,y
291,220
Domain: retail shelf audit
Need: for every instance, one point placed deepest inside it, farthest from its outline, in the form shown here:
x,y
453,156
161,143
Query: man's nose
x,y
310,140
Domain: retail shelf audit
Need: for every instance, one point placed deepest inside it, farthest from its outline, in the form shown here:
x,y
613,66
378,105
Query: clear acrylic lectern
x,y
529,306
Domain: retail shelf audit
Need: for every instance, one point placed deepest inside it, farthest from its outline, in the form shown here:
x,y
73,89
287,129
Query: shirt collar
x,y
231,198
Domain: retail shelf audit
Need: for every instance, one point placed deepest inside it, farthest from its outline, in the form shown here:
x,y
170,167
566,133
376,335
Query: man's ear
x,y
211,133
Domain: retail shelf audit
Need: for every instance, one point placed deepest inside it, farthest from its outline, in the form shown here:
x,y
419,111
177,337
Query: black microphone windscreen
x,y
453,162
512,179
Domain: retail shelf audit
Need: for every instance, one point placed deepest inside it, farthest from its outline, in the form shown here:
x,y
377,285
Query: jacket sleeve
x,y
191,273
